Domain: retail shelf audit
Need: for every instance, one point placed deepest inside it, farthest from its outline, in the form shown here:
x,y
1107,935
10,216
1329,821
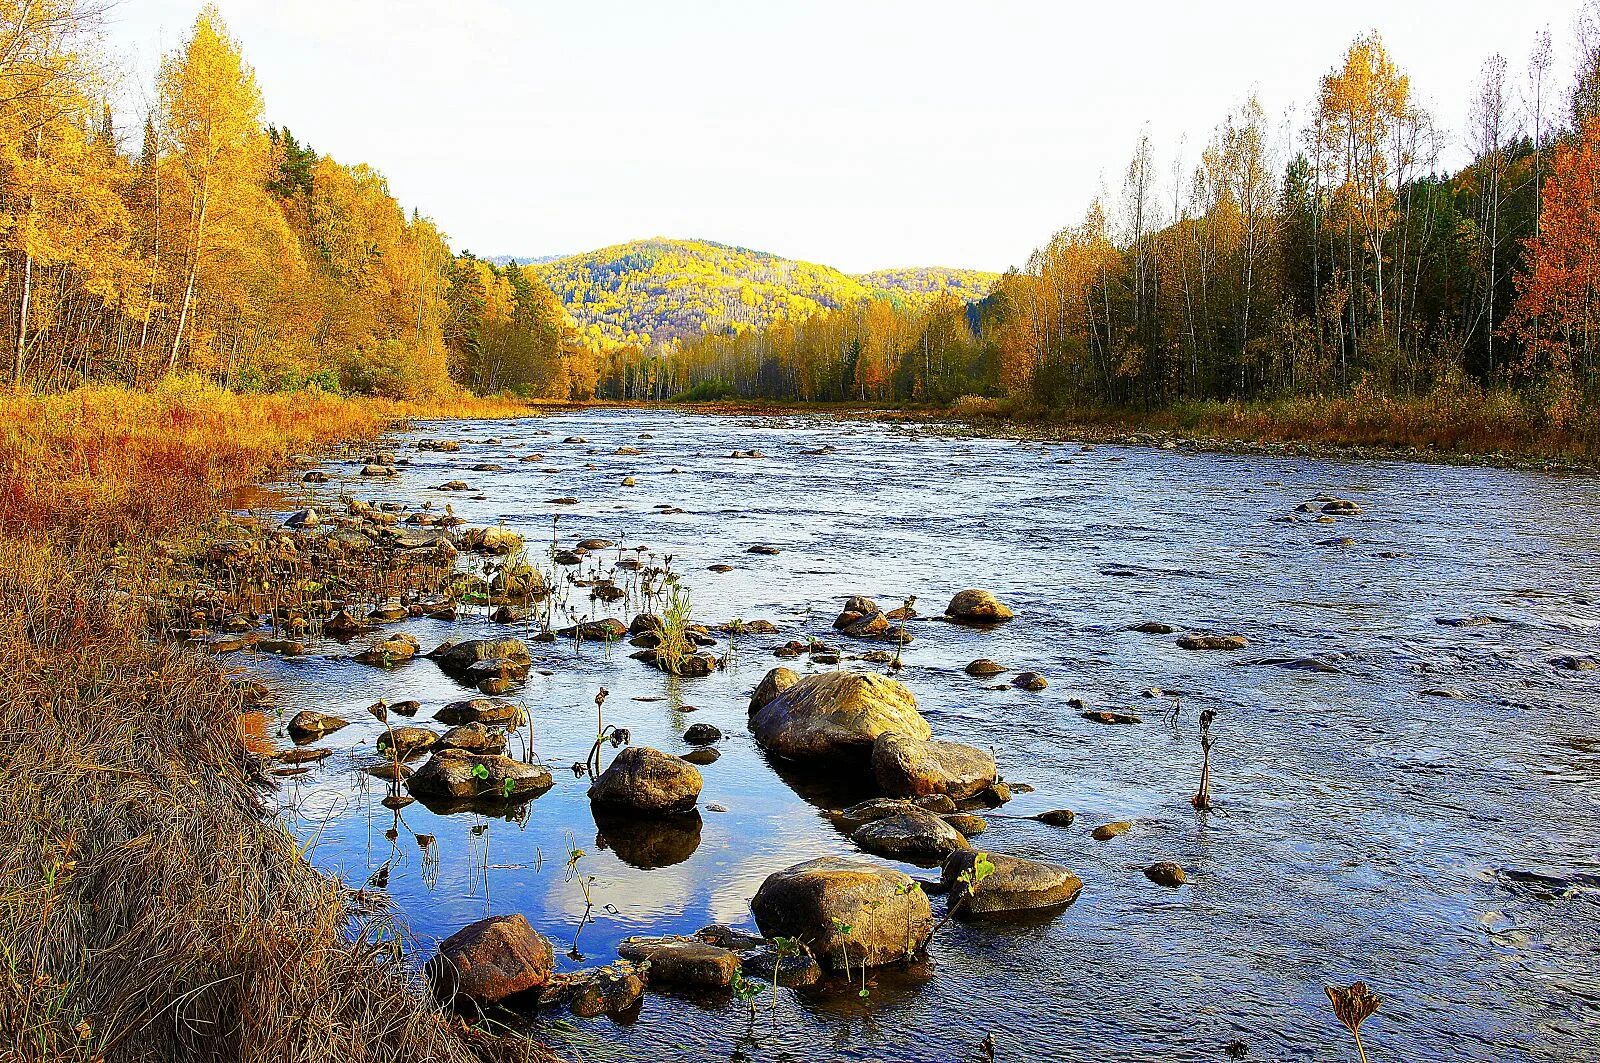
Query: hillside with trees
x,y
656,291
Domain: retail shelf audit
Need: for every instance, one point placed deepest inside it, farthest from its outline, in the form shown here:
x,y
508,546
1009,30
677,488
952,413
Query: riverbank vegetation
x,y
148,908
1334,272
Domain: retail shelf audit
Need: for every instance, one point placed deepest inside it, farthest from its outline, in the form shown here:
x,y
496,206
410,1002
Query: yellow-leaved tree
x,y
237,250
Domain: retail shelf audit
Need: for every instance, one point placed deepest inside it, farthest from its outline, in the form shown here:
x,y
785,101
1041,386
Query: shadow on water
x,y
648,842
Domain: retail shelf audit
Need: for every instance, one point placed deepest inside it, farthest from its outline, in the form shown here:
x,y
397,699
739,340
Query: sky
x,y
866,134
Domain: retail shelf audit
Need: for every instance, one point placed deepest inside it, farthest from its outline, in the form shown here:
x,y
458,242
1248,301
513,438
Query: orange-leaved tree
x,y
1557,315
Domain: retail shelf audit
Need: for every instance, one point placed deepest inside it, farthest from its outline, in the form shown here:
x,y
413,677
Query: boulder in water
x,y
911,767
492,959
1008,884
889,917
977,607
833,714
648,782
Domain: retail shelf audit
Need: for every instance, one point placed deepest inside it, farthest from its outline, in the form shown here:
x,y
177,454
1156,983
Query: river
x,y
1446,850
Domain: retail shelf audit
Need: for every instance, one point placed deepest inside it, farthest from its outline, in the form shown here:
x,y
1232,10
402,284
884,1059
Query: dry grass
x,y
149,910
1447,423
109,462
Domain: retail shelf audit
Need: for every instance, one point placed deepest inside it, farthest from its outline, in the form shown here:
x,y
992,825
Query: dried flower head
x,y
1354,1005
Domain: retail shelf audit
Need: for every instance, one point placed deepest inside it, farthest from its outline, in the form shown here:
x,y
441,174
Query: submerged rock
x,y
308,724
889,916
1110,716
702,734
834,714
1196,640
1166,873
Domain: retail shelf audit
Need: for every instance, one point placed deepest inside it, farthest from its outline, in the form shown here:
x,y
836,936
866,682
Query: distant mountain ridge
x,y
653,291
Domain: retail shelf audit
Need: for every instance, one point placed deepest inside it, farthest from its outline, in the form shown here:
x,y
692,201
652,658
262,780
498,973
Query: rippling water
x,y
1447,851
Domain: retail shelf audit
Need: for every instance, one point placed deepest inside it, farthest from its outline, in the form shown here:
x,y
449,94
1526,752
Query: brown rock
x,y
492,959
977,607
889,916
910,767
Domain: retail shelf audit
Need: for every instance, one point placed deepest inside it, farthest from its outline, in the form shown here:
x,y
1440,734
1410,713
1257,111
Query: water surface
x,y
1442,849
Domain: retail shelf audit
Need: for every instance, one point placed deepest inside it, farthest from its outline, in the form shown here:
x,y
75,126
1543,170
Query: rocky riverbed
x,y
1395,660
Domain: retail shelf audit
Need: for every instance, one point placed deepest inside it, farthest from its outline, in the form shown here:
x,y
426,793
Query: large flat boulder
x,y
912,767
454,658
682,961
888,916
834,714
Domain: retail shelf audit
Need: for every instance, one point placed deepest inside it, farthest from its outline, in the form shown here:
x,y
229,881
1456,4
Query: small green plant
x,y
782,949
906,890
844,930
967,884
747,991
574,871
674,643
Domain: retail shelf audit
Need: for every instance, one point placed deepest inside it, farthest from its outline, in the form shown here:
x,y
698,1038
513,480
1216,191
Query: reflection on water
x,y
1443,848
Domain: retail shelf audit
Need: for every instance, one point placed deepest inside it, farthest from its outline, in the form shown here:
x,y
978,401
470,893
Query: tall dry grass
x,y
149,909
1448,423
107,462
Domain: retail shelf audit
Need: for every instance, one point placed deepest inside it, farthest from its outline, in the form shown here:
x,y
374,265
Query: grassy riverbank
x,y
148,909
1492,427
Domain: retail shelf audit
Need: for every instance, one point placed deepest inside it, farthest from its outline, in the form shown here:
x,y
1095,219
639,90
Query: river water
x,y
1444,850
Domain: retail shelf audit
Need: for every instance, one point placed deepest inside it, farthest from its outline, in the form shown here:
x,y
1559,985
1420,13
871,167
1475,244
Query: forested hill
x,y
656,290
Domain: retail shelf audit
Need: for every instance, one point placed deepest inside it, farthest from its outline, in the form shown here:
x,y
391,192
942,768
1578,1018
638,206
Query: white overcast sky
x,y
863,134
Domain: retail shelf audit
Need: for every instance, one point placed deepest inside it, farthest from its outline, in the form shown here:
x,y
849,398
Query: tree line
x,y
209,242
1329,259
